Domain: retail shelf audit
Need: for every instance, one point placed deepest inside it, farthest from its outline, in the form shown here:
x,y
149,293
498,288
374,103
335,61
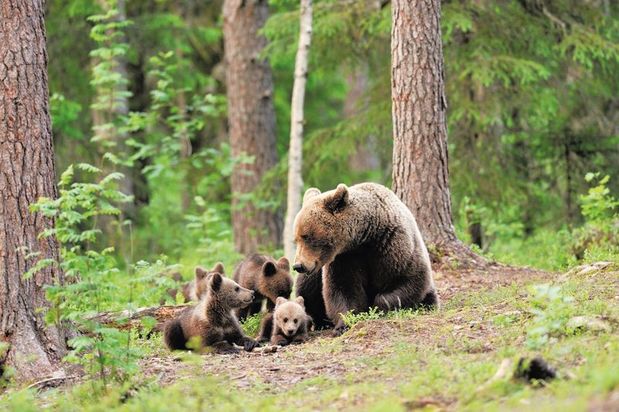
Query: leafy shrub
x,y
600,233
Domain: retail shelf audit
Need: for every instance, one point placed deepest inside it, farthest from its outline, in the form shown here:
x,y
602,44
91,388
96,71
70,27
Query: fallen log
x,y
132,319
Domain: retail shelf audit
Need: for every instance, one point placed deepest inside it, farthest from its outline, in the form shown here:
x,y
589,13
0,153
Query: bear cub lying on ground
x,y
211,322
268,278
287,324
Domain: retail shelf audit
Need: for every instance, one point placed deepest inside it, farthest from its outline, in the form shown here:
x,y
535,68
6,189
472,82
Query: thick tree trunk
x,y
251,119
420,167
295,154
26,174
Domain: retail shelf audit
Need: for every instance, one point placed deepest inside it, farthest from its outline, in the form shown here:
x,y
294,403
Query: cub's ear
x,y
300,301
200,273
310,193
284,263
219,268
216,281
338,200
269,269
280,301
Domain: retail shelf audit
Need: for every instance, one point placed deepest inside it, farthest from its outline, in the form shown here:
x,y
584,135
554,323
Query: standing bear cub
x,y
268,278
360,247
211,322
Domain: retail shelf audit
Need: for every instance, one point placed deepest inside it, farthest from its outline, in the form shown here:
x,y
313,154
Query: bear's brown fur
x,y
268,278
365,243
287,324
211,322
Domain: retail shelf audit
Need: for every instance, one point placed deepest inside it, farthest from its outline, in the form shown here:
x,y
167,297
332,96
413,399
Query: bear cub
x,y
268,278
287,324
211,323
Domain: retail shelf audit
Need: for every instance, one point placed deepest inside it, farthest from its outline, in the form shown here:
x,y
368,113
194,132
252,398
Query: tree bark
x,y
251,120
295,153
420,162
26,174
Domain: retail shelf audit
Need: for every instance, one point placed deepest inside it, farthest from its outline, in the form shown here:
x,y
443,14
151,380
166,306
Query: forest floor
x,y
460,357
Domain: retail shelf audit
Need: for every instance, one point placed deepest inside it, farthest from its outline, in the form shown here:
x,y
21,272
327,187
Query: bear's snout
x,y
298,267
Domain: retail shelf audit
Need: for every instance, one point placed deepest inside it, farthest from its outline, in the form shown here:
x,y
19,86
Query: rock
x,y
589,323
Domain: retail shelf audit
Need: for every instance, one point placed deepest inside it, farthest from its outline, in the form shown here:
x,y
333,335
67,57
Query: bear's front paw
x,y
250,344
339,330
226,350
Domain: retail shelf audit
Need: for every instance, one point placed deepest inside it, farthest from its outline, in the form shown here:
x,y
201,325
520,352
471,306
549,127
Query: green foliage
x,y
251,325
551,309
598,205
351,318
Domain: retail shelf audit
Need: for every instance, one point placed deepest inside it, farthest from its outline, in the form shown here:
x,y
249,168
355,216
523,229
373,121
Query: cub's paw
x,y
250,344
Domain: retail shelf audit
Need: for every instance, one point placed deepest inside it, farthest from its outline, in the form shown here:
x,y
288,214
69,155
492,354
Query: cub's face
x,y
275,279
319,229
228,292
289,315
203,276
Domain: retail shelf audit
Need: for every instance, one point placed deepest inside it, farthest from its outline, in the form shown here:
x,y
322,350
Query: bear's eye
x,y
285,320
236,289
296,320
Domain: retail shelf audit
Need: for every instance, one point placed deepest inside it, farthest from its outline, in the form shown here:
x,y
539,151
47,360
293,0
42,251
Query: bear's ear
x,y
338,200
284,263
200,273
300,301
219,268
310,193
216,281
280,301
269,269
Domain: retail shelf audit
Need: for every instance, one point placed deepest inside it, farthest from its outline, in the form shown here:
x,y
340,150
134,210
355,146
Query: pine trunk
x,y
251,119
26,174
420,164
295,154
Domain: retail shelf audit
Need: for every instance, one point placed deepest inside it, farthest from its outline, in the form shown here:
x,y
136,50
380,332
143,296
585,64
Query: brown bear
x,y
268,278
193,291
289,323
211,322
366,245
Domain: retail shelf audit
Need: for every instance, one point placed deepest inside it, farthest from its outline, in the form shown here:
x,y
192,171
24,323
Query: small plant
x,y
552,309
251,325
599,236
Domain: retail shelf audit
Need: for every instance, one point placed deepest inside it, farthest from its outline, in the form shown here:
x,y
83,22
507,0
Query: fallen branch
x,y
128,319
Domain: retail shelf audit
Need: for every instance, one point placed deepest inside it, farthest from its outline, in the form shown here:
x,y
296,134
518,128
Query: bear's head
x,y
225,292
289,315
275,279
201,279
321,230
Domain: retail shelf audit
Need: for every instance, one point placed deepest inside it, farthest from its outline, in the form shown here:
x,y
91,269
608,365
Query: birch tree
x,y
295,153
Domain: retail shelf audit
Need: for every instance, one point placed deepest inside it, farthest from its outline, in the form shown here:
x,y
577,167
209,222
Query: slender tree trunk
x,y
420,164
295,154
26,174
251,119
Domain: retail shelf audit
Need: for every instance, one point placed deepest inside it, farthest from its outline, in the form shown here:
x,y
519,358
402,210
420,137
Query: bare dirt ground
x,y
290,365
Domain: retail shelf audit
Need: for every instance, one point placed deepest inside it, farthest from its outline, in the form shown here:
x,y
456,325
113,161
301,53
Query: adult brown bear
x,y
366,245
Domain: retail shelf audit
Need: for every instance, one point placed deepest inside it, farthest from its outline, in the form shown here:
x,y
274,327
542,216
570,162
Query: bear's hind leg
x,y
405,296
